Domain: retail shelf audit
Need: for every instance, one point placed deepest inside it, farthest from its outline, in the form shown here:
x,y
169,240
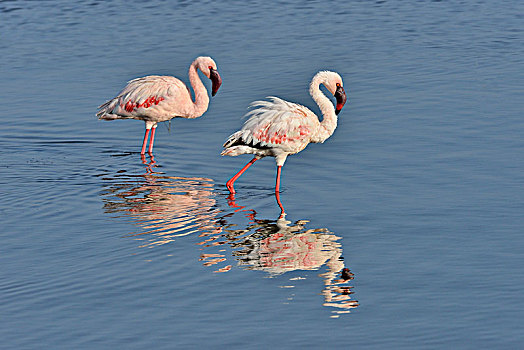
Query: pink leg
x,y
152,140
229,184
145,142
277,189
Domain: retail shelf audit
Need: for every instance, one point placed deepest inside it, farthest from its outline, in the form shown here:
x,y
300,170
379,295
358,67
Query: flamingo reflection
x,y
279,246
165,208
151,164
231,201
162,207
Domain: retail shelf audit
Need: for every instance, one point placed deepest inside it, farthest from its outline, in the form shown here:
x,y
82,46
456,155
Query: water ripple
x,y
165,208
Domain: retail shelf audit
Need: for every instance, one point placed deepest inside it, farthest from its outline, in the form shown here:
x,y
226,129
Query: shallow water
x,y
419,193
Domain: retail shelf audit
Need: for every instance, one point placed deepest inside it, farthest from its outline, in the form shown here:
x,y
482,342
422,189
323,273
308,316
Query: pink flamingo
x,y
155,98
278,128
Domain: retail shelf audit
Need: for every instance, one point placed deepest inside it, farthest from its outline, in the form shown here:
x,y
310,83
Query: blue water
x,y
419,192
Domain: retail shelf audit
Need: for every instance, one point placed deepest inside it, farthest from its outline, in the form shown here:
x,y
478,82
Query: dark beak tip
x,y
216,82
341,98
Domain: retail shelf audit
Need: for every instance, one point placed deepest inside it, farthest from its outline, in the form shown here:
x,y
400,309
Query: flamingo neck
x,y
201,97
329,118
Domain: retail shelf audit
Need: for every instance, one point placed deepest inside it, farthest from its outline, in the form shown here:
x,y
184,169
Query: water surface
x,y
419,193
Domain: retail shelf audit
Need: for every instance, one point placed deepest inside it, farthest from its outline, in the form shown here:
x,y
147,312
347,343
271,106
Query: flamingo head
x,y
209,68
333,82
340,95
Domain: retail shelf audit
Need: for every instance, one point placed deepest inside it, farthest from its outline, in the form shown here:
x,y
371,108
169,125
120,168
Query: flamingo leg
x,y
277,189
229,184
152,140
145,141
277,186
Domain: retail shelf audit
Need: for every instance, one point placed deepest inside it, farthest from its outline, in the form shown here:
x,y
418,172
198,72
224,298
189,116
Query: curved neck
x,y
329,121
201,98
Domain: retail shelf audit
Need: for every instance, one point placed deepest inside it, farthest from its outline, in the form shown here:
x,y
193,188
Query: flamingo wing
x,y
278,124
155,98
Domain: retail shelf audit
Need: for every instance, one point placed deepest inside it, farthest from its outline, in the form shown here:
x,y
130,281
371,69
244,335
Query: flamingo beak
x,y
216,81
340,95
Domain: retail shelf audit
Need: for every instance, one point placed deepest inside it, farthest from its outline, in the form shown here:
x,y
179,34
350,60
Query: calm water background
x,y
419,192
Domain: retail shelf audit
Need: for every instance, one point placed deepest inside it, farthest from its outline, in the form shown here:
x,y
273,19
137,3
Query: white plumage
x,y
274,127
279,128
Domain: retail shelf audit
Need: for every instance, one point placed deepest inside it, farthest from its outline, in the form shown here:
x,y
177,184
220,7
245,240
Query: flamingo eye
x,y
338,84
210,67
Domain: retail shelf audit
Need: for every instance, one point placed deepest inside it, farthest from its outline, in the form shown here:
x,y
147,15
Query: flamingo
x,y
155,98
279,128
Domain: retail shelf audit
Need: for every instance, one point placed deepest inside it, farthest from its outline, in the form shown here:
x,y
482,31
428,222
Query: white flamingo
x,y
278,128
155,98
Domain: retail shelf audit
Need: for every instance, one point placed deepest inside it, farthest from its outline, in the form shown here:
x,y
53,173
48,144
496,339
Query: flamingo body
x,y
154,99
276,128
279,128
